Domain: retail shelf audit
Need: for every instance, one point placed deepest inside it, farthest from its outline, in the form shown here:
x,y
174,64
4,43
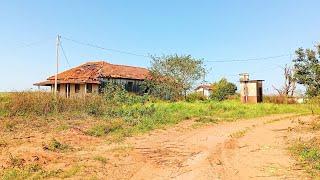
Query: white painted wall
x,y
205,92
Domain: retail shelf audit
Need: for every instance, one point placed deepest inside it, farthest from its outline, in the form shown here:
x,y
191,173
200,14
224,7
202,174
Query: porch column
x,y
67,89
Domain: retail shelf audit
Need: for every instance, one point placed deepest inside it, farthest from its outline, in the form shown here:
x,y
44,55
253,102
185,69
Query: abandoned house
x,y
250,90
204,89
90,77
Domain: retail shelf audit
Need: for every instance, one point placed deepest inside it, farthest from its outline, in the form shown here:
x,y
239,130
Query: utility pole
x,y
57,58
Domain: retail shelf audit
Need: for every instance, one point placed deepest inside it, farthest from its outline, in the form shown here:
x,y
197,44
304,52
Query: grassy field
x,y
135,115
55,125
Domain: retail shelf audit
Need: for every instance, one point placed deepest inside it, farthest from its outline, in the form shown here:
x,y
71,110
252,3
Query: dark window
x,y
58,87
77,88
89,88
129,86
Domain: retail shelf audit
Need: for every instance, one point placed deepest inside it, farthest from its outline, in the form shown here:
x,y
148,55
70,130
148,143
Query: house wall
x,y
251,89
205,92
63,87
95,87
249,92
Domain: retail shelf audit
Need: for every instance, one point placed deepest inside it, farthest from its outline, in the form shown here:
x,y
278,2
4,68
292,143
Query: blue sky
x,y
212,30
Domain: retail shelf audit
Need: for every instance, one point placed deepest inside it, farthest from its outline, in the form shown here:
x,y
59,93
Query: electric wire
x,y
103,48
251,59
64,54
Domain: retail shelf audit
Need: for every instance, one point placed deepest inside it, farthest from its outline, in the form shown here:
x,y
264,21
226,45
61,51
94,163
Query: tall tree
x,y
176,73
307,70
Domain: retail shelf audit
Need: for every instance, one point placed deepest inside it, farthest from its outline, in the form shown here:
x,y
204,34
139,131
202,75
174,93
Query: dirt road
x,y
238,150
244,149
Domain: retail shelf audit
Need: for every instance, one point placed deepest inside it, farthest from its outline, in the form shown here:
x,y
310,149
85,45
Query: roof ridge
x,y
128,66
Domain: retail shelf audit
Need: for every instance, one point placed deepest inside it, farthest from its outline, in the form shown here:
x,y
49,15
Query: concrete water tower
x,y
250,90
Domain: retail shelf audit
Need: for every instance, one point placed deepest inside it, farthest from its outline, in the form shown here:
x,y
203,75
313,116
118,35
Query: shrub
x,y
222,89
195,96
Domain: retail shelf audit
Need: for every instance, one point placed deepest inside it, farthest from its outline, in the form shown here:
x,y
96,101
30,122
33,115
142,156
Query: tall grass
x,y
137,113
44,103
152,115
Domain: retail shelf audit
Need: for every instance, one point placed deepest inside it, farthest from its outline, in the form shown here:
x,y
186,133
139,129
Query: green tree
x,y
173,75
307,70
222,89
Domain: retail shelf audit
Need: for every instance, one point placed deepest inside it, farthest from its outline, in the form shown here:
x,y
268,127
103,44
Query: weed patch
x,y
32,171
55,145
103,129
15,161
70,172
240,133
101,159
308,153
207,119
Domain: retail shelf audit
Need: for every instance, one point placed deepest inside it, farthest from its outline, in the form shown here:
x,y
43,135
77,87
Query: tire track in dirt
x,y
183,152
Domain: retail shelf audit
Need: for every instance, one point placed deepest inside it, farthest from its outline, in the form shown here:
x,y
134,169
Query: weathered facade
x,y
204,89
250,90
91,76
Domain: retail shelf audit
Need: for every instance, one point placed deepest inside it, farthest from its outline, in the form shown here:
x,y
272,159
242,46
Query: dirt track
x,y
239,150
244,149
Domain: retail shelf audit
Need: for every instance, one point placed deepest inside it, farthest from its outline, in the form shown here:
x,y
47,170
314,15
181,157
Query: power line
x,y
107,49
26,45
250,59
64,54
148,56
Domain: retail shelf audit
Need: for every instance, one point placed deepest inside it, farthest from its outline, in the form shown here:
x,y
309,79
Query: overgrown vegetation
x,y
308,152
195,96
44,103
307,69
173,76
306,148
222,89
112,117
55,145
138,112
279,99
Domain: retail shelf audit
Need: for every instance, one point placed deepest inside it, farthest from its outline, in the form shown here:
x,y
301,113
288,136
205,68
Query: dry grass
x,y
307,150
276,99
44,103
239,134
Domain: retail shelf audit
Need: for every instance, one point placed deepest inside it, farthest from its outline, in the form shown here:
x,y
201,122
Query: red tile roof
x,y
91,72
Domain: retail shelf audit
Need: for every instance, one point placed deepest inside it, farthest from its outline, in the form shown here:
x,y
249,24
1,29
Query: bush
x,y
116,94
276,99
222,90
195,96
